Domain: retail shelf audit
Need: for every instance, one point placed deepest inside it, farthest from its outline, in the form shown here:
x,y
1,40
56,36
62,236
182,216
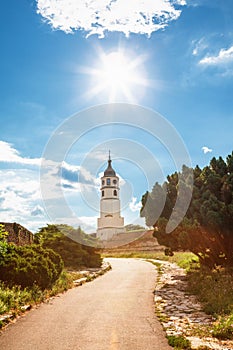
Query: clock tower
x,y
110,221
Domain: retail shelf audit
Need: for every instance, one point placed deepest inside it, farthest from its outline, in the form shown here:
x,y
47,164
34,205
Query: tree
x,y
153,204
207,228
63,240
134,227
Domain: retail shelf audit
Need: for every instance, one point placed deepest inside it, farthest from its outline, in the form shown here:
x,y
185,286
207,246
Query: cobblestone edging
x,y
181,313
88,275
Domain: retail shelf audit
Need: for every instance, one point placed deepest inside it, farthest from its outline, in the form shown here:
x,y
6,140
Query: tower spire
x,y
109,171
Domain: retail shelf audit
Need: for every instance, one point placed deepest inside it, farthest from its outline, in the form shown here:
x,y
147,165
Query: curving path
x,y
114,312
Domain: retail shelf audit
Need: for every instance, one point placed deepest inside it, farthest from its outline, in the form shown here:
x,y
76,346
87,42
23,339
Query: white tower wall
x,y
110,221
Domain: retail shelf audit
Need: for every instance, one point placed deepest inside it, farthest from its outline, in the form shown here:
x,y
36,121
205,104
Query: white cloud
x,y
21,201
86,176
9,154
37,211
70,178
206,149
20,197
224,56
20,191
88,223
181,2
70,186
98,16
134,206
199,46
69,167
76,173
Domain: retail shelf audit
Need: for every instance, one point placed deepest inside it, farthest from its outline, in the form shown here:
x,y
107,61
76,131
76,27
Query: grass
x,y
179,342
158,265
141,255
64,282
13,299
183,259
214,288
223,327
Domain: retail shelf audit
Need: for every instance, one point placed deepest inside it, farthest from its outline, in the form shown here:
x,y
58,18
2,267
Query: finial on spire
x,y
109,171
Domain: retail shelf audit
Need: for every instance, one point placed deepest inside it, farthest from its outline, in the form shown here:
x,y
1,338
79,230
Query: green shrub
x,y
74,254
3,307
13,298
63,283
179,342
214,288
31,265
223,328
3,244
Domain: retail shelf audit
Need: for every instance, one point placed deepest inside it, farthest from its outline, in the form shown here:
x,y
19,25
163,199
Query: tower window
x,y
115,192
114,181
108,182
103,182
102,193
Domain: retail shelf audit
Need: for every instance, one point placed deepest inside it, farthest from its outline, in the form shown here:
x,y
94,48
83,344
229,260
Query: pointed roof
x,y
109,171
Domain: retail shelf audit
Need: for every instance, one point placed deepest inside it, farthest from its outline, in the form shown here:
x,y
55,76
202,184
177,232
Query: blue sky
x,y
56,61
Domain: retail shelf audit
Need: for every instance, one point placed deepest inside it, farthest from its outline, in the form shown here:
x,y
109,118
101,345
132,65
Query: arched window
x,y
103,182
115,192
114,181
108,182
102,193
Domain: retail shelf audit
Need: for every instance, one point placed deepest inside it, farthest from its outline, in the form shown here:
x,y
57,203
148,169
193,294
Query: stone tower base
x,y
106,233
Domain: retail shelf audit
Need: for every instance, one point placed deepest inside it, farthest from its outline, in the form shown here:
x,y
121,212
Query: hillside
x,y
144,242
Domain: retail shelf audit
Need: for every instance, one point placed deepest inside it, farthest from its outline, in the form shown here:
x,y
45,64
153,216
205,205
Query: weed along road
x,y
114,312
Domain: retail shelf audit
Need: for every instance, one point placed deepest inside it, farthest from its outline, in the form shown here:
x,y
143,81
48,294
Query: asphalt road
x,y
114,312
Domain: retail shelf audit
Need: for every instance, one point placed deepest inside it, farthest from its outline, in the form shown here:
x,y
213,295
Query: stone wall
x,y
17,234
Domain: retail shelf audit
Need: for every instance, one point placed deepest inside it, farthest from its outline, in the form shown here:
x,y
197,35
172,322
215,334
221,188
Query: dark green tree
x,y
65,240
134,227
207,228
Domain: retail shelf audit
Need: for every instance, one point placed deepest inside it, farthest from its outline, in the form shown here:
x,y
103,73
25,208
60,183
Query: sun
x,y
117,75
115,70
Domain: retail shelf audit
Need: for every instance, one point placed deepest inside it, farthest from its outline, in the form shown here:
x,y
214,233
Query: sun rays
x,y
117,76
